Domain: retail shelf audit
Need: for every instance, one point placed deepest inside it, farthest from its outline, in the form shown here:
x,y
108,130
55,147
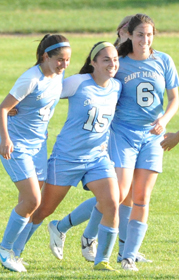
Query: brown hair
x,y
87,67
122,25
126,47
47,41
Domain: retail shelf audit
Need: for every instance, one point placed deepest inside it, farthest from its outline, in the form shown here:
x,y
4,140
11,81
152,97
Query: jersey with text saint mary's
x,y
143,86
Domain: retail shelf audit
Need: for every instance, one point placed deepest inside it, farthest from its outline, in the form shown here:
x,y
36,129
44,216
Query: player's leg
x,y
39,158
107,194
124,215
90,234
64,174
125,176
148,165
79,215
125,209
100,178
52,196
27,232
144,181
30,193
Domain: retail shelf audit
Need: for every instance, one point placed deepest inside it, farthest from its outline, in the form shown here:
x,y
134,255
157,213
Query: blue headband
x,y
58,45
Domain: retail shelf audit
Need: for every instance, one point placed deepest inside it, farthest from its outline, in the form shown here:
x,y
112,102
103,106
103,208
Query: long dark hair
x,y
87,67
47,41
126,47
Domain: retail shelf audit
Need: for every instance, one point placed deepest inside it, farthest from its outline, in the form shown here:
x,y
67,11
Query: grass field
x,y
161,242
81,15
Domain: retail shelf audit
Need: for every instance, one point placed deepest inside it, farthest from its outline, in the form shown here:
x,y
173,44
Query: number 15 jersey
x,y
85,133
143,87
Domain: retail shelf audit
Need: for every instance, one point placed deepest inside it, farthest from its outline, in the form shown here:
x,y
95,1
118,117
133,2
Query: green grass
x,y
79,4
82,15
161,241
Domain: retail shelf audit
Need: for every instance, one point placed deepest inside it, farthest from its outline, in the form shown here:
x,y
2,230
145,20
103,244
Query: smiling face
x,y
105,65
142,39
58,63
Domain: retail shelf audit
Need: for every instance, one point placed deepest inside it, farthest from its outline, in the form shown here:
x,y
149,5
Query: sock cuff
x,y
36,225
138,224
97,211
19,218
108,229
125,207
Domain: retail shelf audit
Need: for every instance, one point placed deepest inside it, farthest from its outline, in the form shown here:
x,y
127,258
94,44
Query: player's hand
x,y
6,148
170,141
158,128
12,112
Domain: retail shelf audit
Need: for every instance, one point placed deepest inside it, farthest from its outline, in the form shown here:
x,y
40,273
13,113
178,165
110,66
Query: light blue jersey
x,y
79,153
91,109
131,144
37,96
144,83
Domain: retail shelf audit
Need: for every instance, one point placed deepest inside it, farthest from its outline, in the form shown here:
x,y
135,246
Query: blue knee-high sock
x,y
124,216
33,229
15,226
19,244
135,234
106,240
91,231
78,215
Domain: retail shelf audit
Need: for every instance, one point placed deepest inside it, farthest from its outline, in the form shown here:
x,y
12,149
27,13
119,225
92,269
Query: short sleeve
x,y
22,87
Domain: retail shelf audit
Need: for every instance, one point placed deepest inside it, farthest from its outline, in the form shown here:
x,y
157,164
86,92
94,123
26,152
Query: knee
x,y
125,196
142,200
112,208
41,213
33,203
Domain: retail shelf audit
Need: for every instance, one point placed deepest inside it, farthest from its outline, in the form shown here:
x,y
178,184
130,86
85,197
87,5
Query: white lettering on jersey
x,y
131,77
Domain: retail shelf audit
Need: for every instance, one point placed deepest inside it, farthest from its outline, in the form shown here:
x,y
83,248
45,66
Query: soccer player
x,y
136,132
23,136
83,211
139,124
79,153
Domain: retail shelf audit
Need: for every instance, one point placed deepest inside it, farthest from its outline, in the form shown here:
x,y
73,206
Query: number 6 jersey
x,y
85,133
143,86
37,96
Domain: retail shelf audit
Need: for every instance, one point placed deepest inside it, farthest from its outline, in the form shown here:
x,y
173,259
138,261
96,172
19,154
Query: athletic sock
x,y
15,226
91,231
124,216
33,229
83,212
78,215
20,242
106,240
135,234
